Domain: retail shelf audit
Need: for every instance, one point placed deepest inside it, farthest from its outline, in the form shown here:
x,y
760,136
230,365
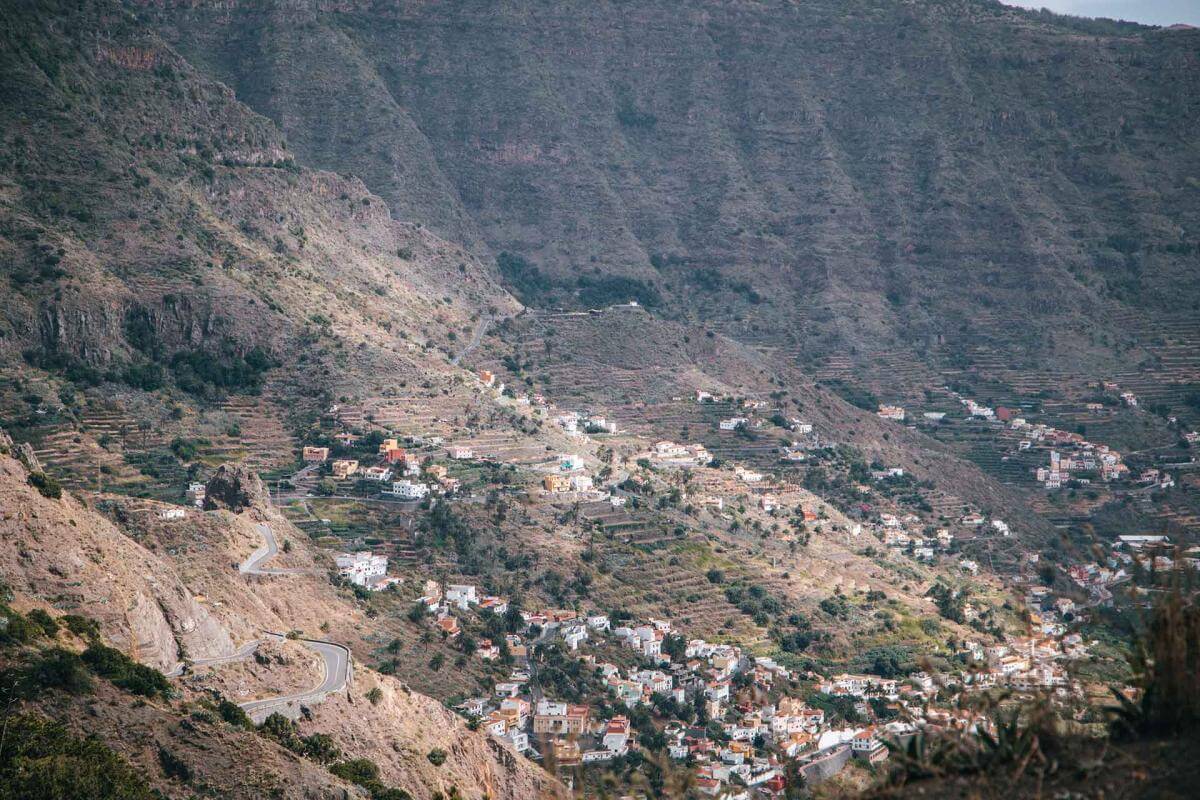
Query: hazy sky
x,y
1151,12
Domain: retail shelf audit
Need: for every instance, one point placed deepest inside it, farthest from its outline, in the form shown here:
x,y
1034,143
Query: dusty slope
x,y
66,555
232,763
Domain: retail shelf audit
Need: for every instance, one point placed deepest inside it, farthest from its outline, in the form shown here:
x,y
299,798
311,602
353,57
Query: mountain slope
x,y
867,174
147,215
162,592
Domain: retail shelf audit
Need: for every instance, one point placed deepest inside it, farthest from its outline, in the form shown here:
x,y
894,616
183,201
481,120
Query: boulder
x,y
235,487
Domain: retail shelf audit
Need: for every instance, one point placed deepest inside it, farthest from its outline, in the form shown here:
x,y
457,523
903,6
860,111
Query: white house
x,y
379,474
363,568
598,622
409,490
574,635
462,595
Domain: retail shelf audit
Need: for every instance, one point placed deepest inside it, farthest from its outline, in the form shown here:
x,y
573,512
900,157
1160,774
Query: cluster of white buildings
x,y
1024,664
671,454
1087,458
575,423
441,601
366,569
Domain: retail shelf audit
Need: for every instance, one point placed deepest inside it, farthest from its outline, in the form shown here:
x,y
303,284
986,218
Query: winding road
x,y
269,549
336,659
337,663
242,653
477,337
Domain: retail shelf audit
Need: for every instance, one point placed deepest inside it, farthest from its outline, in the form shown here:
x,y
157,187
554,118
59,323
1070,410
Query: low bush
x,y
365,773
42,759
124,672
1166,664
46,485
232,713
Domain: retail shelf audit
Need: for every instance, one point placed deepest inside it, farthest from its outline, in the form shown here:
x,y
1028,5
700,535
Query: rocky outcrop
x,y
236,488
63,554
27,456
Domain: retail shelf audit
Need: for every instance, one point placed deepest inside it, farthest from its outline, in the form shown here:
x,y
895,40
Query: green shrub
x,y
365,773
124,672
43,620
173,766
361,771
83,627
321,748
15,628
612,289
41,759
46,485
282,730
187,449
436,756
206,374
59,669
527,281
232,713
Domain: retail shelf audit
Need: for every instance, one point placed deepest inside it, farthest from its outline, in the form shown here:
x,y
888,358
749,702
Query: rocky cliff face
x,y
168,218
821,174
65,555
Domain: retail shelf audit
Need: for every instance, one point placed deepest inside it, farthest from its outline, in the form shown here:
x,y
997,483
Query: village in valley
x,y
749,607
593,689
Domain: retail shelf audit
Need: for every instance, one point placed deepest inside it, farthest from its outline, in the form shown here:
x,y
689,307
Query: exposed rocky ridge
x,y
867,173
176,220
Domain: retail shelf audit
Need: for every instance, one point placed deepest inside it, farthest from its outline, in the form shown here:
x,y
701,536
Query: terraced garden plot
x,y
649,585
506,447
261,439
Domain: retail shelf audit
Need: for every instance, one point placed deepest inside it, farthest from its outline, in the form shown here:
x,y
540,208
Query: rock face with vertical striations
x,y
827,174
64,553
